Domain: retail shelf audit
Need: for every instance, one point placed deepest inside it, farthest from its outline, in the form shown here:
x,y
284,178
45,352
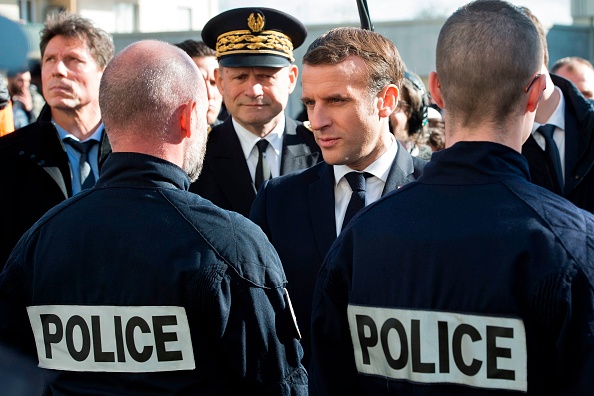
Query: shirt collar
x,y
558,116
379,168
248,140
64,133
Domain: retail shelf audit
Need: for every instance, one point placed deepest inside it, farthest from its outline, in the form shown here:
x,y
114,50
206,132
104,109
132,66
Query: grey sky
x,y
343,11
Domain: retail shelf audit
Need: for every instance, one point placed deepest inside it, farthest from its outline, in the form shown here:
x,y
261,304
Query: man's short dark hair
x,y
71,25
380,55
541,33
487,53
196,49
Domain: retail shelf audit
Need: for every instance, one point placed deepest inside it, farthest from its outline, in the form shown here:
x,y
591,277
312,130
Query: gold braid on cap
x,y
255,41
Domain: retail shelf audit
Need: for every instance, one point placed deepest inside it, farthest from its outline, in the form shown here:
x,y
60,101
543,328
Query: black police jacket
x,y
469,281
138,286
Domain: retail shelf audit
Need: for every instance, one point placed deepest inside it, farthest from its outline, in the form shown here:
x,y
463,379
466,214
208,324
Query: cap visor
x,y
255,60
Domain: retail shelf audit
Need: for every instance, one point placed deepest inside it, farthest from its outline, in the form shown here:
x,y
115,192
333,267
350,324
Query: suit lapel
x,y
295,154
401,171
321,204
572,147
49,153
230,168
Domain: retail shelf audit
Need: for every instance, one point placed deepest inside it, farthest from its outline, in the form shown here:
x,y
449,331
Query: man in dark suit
x,y
57,156
351,79
565,118
255,77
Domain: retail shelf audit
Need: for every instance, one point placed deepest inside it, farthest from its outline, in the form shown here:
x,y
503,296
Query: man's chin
x,y
62,104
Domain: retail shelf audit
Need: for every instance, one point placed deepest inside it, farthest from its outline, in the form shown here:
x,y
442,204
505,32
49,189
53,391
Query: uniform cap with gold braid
x,y
254,36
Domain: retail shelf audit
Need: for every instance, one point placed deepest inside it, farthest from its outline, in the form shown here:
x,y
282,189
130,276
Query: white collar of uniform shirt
x,y
248,144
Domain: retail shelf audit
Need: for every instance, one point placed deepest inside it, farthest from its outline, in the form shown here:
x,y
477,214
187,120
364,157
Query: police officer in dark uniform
x,y
138,286
254,47
470,280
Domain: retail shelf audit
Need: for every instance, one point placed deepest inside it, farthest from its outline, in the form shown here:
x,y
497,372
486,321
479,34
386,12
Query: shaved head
x,y
144,89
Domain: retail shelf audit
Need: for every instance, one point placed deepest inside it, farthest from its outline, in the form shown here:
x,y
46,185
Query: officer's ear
x,y
534,90
218,75
293,74
185,120
435,89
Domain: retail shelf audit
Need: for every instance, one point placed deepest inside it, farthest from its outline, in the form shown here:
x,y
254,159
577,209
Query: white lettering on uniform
x,y
440,347
112,338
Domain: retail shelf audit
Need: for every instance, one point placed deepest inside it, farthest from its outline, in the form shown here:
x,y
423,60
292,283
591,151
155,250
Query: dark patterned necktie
x,y
87,178
552,152
262,168
357,182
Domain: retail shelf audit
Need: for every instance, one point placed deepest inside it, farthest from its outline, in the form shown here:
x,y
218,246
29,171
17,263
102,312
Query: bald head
x,y
144,86
153,101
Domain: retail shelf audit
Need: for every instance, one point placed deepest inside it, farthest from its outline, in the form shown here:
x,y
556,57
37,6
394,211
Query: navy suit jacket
x,y
297,213
225,179
579,151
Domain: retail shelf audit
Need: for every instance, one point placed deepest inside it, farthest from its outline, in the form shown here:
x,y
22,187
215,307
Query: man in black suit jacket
x,y
39,168
570,116
258,141
349,96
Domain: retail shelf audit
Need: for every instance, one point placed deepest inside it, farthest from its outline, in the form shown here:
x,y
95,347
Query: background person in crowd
x,y
22,102
187,300
409,120
57,156
577,70
434,118
560,150
6,118
436,139
205,58
35,70
259,140
351,79
471,280
435,130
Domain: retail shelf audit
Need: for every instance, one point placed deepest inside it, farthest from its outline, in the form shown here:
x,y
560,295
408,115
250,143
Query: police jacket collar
x,y
475,162
141,170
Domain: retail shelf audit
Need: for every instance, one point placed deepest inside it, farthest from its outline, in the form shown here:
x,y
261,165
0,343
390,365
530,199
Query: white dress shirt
x,y
557,119
374,185
273,152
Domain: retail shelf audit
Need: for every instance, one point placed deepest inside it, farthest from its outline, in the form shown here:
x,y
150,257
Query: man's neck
x,y
81,123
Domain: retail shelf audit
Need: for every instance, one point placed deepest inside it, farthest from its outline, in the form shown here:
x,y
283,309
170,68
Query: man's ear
x,y
218,75
187,112
388,100
535,91
293,74
435,89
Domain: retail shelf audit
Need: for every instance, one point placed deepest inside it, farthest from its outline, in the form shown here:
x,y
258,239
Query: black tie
x,y
357,182
552,152
262,168
87,178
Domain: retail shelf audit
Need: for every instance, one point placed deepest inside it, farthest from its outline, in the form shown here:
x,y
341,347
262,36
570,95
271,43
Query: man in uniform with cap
x,y
256,75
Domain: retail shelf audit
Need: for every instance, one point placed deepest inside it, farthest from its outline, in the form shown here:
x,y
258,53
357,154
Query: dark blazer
x,y
35,175
579,150
225,179
297,213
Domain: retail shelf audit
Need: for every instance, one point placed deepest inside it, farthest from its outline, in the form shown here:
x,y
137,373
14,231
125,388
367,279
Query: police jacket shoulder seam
x,y
235,246
552,227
